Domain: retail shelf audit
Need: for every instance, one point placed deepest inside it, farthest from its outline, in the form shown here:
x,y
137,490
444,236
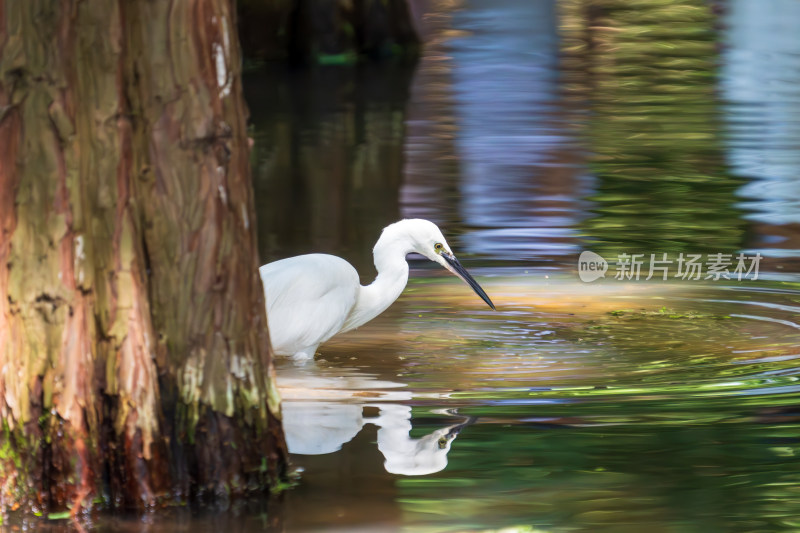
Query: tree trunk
x,y
134,357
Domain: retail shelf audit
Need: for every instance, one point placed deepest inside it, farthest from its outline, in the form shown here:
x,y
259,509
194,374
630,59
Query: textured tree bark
x,y
134,357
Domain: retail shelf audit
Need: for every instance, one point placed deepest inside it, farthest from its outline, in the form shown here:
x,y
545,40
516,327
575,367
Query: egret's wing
x,y
308,299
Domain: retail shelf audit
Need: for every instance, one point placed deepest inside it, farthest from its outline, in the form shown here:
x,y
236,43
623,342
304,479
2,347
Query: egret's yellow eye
x,y
442,443
438,247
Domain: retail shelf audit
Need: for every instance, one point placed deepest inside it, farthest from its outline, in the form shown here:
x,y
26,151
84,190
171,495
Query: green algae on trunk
x,y
133,346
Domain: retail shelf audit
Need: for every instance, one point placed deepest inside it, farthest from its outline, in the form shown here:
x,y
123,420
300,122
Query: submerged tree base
x,y
221,459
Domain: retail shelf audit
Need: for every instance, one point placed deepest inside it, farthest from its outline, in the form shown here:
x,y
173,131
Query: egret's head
x,y
427,456
428,240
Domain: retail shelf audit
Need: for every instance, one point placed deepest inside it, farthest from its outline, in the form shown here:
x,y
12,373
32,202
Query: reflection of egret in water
x,y
322,412
413,457
317,428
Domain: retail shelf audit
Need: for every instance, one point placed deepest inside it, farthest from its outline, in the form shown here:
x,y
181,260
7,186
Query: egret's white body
x,y
311,298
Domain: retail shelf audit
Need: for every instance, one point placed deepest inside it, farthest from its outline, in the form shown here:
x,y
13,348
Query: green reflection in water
x,y
560,477
678,414
646,74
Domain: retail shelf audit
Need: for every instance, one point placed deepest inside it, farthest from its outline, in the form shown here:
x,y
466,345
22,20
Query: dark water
x,y
532,130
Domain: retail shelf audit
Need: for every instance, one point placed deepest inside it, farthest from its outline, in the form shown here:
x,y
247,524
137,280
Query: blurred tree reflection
x,y
760,81
432,168
326,31
523,177
328,162
576,478
488,124
647,75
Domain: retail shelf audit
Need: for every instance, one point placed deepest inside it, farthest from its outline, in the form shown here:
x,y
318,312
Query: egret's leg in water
x,y
305,354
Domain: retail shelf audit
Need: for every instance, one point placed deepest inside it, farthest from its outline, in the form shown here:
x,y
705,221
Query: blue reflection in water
x,y
494,152
760,81
521,173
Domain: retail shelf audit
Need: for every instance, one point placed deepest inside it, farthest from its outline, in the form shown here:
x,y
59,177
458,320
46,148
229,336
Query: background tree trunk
x,y
134,357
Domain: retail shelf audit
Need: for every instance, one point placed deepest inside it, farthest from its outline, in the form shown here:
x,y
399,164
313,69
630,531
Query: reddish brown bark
x,y
134,357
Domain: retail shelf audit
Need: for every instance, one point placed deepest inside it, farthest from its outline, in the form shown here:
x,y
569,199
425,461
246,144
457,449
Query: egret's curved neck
x,y
390,262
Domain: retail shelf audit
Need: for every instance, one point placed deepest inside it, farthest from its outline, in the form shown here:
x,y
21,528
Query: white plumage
x,y
311,298
308,299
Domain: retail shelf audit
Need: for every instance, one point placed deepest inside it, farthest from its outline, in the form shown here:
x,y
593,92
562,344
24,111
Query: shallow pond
x,y
532,131
613,407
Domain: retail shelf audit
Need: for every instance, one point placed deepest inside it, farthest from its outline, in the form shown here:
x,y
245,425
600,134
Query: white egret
x,y
310,298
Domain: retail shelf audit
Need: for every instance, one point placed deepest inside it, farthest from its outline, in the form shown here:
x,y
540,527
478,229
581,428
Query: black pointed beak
x,y
456,268
455,430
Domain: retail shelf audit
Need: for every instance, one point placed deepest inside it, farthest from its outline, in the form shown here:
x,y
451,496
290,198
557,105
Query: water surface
x,y
531,131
